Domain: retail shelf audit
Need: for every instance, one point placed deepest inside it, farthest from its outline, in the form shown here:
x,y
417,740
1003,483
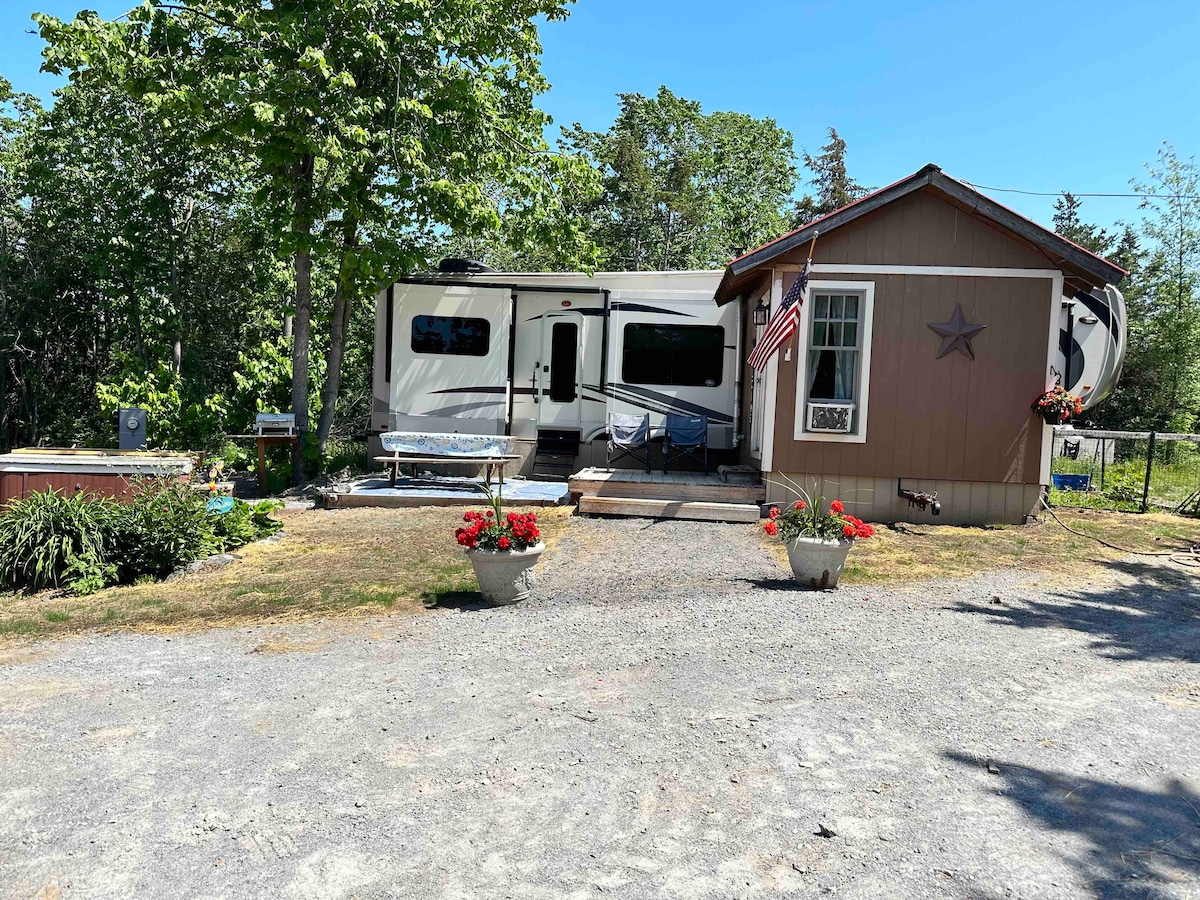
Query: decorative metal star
x,y
957,334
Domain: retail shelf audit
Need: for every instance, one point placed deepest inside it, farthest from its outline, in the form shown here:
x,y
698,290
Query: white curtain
x,y
838,366
844,378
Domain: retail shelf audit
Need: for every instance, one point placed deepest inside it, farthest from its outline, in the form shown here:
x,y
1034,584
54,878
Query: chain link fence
x,y
1126,470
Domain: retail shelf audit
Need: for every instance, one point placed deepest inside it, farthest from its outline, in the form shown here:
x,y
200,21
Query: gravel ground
x,y
664,718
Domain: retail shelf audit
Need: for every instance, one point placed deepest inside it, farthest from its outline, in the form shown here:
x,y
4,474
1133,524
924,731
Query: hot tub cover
x,y
418,443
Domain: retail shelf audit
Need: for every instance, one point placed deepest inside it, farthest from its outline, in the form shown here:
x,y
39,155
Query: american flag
x,y
783,323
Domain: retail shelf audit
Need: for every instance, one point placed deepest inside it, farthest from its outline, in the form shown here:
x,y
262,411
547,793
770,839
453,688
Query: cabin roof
x,y
740,274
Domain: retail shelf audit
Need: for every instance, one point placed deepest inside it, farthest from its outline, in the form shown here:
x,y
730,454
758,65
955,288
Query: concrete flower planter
x,y
816,563
506,576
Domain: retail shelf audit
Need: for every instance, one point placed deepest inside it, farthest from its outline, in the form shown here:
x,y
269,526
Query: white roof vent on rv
x,y
452,265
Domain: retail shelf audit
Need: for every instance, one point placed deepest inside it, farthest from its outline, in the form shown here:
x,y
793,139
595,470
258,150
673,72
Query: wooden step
x,y
698,492
670,509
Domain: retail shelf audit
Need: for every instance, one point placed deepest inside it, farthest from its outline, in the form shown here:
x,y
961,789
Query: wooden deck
x,y
672,495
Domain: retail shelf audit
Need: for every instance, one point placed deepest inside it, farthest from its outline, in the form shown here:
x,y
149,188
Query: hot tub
x,y
106,472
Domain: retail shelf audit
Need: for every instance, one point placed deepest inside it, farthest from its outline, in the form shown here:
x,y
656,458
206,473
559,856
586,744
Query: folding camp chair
x,y
627,435
686,436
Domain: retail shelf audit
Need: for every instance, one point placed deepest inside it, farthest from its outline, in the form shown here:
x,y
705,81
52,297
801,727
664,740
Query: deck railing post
x,y
1149,467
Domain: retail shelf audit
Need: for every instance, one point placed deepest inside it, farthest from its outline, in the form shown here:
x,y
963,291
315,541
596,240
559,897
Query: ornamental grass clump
x,y
805,518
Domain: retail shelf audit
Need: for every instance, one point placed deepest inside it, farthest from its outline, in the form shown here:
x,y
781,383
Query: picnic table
x,y
421,448
492,464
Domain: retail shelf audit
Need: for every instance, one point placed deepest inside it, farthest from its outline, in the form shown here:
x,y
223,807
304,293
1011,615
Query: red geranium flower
x,y
836,506
503,543
774,512
800,504
770,527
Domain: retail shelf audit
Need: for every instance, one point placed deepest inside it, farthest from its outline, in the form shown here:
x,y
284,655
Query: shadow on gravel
x,y
777,584
464,601
1156,619
1141,843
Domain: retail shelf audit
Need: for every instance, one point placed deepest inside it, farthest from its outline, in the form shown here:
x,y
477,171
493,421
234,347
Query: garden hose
x,y
1190,557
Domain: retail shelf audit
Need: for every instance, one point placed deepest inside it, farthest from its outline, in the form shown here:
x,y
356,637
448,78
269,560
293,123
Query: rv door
x,y
559,396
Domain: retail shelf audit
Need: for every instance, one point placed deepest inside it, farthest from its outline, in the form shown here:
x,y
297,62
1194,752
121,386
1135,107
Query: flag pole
x,y
807,265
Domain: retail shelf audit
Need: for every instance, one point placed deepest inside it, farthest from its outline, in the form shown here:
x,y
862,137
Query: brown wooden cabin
x,y
883,270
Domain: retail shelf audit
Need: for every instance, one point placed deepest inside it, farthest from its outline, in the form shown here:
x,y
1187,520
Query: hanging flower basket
x,y
1057,405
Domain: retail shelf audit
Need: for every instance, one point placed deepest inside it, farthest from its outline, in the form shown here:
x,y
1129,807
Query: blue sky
x,y
1044,96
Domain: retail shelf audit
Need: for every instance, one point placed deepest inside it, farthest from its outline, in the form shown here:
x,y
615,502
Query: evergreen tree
x,y
834,188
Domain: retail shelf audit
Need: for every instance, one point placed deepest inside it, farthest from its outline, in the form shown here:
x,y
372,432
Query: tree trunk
x,y
302,222
338,328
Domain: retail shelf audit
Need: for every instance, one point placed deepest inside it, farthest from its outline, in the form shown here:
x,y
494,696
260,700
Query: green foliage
x,y
83,543
163,526
1159,388
681,189
245,523
367,126
834,188
170,422
52,540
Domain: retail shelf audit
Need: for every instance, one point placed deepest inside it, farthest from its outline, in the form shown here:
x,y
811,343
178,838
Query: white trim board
x,y
867,288
954,271
1056,299
771,396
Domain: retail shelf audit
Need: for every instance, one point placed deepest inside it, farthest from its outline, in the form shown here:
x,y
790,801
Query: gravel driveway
x,y
665,718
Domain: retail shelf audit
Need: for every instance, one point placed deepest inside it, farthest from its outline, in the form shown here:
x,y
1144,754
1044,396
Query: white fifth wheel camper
x,y
548,357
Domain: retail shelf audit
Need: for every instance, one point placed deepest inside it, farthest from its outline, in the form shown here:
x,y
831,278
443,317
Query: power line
x,y
984,187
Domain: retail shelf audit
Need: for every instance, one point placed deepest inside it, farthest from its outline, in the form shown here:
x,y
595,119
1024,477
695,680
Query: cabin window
x,y
833,362
450,335
684,355
834,347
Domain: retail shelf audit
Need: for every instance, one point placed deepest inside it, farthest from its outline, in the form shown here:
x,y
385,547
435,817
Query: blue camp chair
x,y
686,436
629,436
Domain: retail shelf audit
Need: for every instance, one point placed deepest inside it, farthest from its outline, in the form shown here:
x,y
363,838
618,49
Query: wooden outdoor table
x,y
263,440
491,464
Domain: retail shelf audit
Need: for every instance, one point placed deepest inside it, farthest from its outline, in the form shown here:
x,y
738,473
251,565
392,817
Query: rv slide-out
x,y
525,355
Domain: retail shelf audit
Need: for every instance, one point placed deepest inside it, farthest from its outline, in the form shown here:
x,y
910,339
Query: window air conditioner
x,y
831,417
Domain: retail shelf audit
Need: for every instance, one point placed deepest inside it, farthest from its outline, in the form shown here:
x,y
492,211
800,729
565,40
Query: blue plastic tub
x,y
1071,482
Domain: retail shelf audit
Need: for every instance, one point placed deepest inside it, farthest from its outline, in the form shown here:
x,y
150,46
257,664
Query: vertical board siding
x,y
951,419
875,499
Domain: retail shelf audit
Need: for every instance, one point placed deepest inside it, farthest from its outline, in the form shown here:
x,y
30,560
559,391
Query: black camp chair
x,y
686,436
629,436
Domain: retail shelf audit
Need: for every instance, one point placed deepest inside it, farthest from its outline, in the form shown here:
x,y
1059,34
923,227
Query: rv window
x,y
450,335
673,354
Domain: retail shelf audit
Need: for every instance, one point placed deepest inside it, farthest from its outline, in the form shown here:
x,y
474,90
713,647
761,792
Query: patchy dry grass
x,y
912,552
364,561
333,562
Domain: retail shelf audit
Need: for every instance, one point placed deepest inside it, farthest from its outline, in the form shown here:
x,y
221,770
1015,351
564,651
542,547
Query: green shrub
x,y
245,523
84,543
57,540
163,526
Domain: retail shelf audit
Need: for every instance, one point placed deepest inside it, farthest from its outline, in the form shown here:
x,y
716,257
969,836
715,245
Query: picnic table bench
x,y
492,464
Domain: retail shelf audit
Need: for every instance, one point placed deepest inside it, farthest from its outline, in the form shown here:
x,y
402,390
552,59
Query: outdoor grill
x,y
275,425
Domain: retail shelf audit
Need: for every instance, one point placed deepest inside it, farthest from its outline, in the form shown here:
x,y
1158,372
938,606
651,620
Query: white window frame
x,y
866,326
